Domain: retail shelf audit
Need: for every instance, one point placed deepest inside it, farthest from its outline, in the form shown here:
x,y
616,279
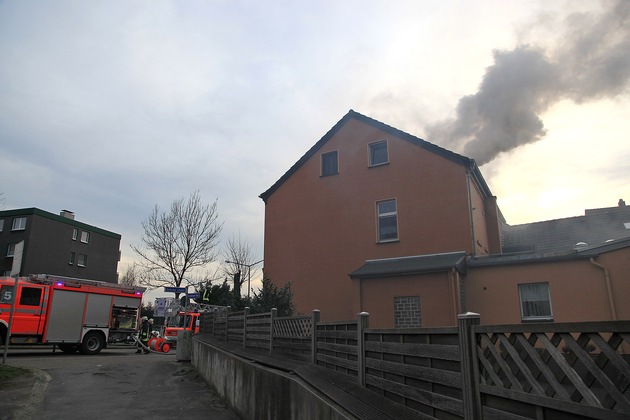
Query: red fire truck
x,y
183,321
74,314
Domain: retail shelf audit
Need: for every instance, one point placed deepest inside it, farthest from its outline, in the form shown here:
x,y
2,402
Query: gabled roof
x,y
462,160
406,266
595,228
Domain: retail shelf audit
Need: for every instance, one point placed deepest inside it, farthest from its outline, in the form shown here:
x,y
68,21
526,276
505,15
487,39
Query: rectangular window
x,y
387,221
6,294
1,224
75,234
378,153
535,301
82,260
30,296
72,256
85,237
11,250
19,223
330,163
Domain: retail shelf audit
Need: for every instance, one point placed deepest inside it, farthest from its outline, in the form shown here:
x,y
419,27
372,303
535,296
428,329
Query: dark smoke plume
x,y
592,62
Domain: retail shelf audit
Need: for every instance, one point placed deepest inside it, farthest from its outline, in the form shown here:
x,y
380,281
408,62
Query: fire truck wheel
x,y
93,343
68,348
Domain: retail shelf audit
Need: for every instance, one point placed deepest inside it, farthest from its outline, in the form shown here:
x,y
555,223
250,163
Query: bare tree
x,y
177,242
238,259
131,277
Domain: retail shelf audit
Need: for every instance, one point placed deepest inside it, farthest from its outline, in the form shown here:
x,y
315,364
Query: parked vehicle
x,y
184,320
74,314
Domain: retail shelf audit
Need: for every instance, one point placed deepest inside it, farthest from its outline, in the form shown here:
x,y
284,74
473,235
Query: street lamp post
x,y
249,272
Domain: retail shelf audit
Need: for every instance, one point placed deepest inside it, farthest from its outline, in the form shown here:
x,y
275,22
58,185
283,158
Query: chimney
x,y
622,203
67,214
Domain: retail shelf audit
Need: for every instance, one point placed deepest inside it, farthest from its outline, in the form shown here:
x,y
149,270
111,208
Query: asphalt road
x,y
115,384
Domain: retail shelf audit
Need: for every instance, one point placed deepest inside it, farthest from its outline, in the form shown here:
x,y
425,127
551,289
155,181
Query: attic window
x,y
378,153
330,163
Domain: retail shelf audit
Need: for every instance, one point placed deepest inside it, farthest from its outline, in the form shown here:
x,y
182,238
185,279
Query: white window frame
x,y
19,223
72,258
386,214
85,237
11,250
544,297
323,173
75,234
371,148
82,260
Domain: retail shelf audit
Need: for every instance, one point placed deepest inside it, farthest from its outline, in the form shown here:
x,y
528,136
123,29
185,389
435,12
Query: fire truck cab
x,y
74,314
184,320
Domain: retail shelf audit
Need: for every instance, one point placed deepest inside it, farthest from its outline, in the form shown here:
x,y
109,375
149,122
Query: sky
x,y
110,107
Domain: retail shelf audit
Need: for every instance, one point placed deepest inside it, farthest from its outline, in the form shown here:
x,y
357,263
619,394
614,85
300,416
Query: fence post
x,y
362,325
227,324
274,314
469,367
314,336
245,315
214,319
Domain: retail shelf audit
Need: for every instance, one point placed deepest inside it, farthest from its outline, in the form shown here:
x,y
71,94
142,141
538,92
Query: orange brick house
x,y
374,219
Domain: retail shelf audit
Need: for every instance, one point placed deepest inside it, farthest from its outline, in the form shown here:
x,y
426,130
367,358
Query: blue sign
x,y
193,295
175,289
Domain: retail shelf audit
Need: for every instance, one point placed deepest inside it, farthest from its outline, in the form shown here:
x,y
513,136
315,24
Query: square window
x,y
82,260
85,237
11,250
378,153
330,163
75,234
19,223
387,221
535,301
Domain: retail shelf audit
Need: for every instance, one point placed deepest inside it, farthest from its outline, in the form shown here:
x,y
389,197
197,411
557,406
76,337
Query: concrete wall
x,y
256,392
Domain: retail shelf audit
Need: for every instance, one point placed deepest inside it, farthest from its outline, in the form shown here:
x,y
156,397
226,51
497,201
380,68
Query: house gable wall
x,y
319,229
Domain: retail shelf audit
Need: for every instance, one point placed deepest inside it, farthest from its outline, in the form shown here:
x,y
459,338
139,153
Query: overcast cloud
x,y
110,107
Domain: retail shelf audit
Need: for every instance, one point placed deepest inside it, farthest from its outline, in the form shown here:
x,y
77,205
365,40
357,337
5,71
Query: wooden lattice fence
x,y
573,368
292,336
541,371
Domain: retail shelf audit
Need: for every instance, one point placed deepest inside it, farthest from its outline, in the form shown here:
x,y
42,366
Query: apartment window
x,y
330,163
535,301
1,224
85,237
11,250
19,223
82,260
75,234
387,221
378,153
72,258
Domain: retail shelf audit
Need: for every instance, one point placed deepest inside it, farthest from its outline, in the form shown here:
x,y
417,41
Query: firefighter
x,y
143,335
